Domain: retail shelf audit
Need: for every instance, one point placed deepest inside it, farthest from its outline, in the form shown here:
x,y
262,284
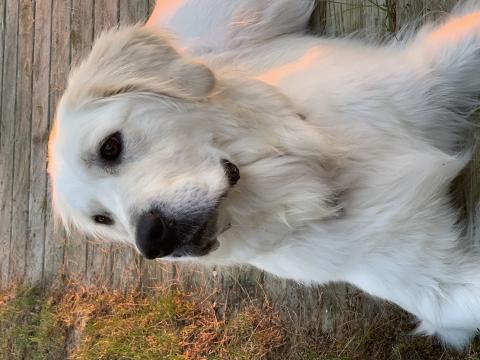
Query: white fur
x,y
213,26
346,153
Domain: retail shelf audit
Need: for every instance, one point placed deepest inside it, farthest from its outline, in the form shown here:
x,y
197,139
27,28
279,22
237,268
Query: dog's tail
x,y
445,58
450,51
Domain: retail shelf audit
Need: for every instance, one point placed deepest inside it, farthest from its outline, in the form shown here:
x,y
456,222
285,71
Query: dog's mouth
x,y
196,251
203,242
208,244
205,239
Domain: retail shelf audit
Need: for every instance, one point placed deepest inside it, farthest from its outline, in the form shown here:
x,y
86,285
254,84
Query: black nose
x,y
154,237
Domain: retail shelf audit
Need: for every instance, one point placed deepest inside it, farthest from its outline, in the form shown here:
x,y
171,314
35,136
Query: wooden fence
x,y
40,40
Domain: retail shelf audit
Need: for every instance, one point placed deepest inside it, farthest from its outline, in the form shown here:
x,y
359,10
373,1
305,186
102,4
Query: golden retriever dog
x,y
247,141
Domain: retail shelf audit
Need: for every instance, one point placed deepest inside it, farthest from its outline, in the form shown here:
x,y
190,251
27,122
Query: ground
x,y
86,323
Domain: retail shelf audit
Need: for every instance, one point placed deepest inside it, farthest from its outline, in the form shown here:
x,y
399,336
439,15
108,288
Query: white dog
x,y
314,159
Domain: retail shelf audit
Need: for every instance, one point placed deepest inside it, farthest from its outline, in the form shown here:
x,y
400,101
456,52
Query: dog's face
x,y
132,157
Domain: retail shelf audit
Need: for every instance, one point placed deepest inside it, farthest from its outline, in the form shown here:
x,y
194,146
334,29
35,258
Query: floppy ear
x,y
139,59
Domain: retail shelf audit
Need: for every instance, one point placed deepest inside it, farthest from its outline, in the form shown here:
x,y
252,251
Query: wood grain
x,y
7,134
21,155
59,69
38,144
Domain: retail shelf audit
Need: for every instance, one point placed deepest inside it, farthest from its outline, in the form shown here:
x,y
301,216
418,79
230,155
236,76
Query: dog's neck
x,y
275,148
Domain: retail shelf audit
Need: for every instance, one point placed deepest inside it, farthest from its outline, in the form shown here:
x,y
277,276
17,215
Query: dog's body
x,y
346,153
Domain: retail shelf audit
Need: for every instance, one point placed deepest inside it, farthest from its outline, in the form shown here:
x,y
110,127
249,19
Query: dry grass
x,y
28,327
387,338
92,323
82,323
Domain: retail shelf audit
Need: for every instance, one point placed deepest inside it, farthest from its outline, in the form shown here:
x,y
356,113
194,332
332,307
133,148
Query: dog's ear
x,y
139,59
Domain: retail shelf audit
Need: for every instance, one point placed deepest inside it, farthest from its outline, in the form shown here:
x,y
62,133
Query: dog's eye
x,y
102,219
233,174
111,147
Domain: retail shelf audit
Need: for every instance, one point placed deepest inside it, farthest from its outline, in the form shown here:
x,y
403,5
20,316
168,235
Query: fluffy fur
x,y
346,152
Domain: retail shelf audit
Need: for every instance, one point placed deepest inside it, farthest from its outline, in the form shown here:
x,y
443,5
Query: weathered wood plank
x,y
318,21
81,34
2,42
60,67
107,14
126,267
344,17
418,11
132,12
376,17
156,273
21,155
38,146
81,40
7,134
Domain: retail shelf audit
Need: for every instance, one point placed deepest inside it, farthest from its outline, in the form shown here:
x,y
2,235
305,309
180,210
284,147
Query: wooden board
x,y
80,42
7,133
59,69
38,142
22,131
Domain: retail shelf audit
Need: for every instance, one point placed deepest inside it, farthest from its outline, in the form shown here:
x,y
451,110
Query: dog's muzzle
x,y
158,235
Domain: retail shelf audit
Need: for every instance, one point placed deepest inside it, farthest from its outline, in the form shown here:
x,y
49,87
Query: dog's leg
x,y
213,26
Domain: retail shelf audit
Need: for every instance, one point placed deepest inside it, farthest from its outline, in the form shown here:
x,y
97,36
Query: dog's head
x,y
146,145
131,155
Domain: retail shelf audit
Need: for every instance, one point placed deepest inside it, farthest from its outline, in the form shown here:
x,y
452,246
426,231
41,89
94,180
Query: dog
x,y
314,159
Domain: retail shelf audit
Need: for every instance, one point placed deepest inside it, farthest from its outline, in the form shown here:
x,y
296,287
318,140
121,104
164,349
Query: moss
x,y
90,323
140,330
307,353
29,328
171,326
